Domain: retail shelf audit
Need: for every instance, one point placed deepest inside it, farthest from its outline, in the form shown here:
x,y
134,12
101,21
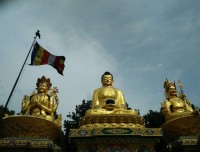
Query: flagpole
x,y
37,34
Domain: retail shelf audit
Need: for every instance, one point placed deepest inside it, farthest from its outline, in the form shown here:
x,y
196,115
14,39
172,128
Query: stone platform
x,y
24,144
182,134
184,144
184,126
115,139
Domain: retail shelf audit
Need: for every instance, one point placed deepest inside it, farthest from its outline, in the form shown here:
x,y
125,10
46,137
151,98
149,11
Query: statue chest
x,y
177,103
108,93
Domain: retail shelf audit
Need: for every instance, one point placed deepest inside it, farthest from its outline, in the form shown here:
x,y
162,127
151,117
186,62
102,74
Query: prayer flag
x,y
40,56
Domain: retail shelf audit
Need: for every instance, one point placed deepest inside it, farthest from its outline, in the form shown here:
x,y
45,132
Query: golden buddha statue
x,y
43,103
38,117
176,106
108,100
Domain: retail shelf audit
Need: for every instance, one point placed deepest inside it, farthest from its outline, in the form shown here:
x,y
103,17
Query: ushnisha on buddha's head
x,y
107,79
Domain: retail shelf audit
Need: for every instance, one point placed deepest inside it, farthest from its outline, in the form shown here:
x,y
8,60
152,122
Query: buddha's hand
x,y
37,103
54,90
25,98
33,104
109,107
57,99
165,111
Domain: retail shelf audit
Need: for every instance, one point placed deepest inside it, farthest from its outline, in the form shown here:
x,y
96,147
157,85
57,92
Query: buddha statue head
x,y
43,84
170,89
107,79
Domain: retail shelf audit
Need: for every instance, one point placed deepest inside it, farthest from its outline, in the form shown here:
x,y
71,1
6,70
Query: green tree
x,y
154,119
75,116
195,107
4,111
73,121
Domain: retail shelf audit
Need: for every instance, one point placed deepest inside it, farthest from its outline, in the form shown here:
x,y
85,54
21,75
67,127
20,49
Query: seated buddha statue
x,y
43,103
108,100
176,106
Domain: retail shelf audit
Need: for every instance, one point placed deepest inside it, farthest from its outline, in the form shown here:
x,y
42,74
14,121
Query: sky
x,y
140,42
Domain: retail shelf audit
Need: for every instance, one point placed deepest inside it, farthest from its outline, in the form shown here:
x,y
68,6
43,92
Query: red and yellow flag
x,y
40,56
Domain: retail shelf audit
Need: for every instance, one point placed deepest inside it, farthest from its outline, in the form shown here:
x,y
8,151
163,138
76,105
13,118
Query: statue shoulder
x,y
118,90
96,90
166,102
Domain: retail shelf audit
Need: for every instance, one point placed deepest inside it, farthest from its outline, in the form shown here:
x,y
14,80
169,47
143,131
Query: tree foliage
x,y
4,111
73,121
195,107
154,119
75,116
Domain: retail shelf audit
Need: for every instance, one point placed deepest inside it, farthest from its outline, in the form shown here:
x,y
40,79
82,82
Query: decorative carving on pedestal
x,y
112,121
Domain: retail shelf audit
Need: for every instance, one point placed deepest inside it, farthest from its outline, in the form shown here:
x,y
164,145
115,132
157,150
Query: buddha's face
x,y
42,87
172,91
107,80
